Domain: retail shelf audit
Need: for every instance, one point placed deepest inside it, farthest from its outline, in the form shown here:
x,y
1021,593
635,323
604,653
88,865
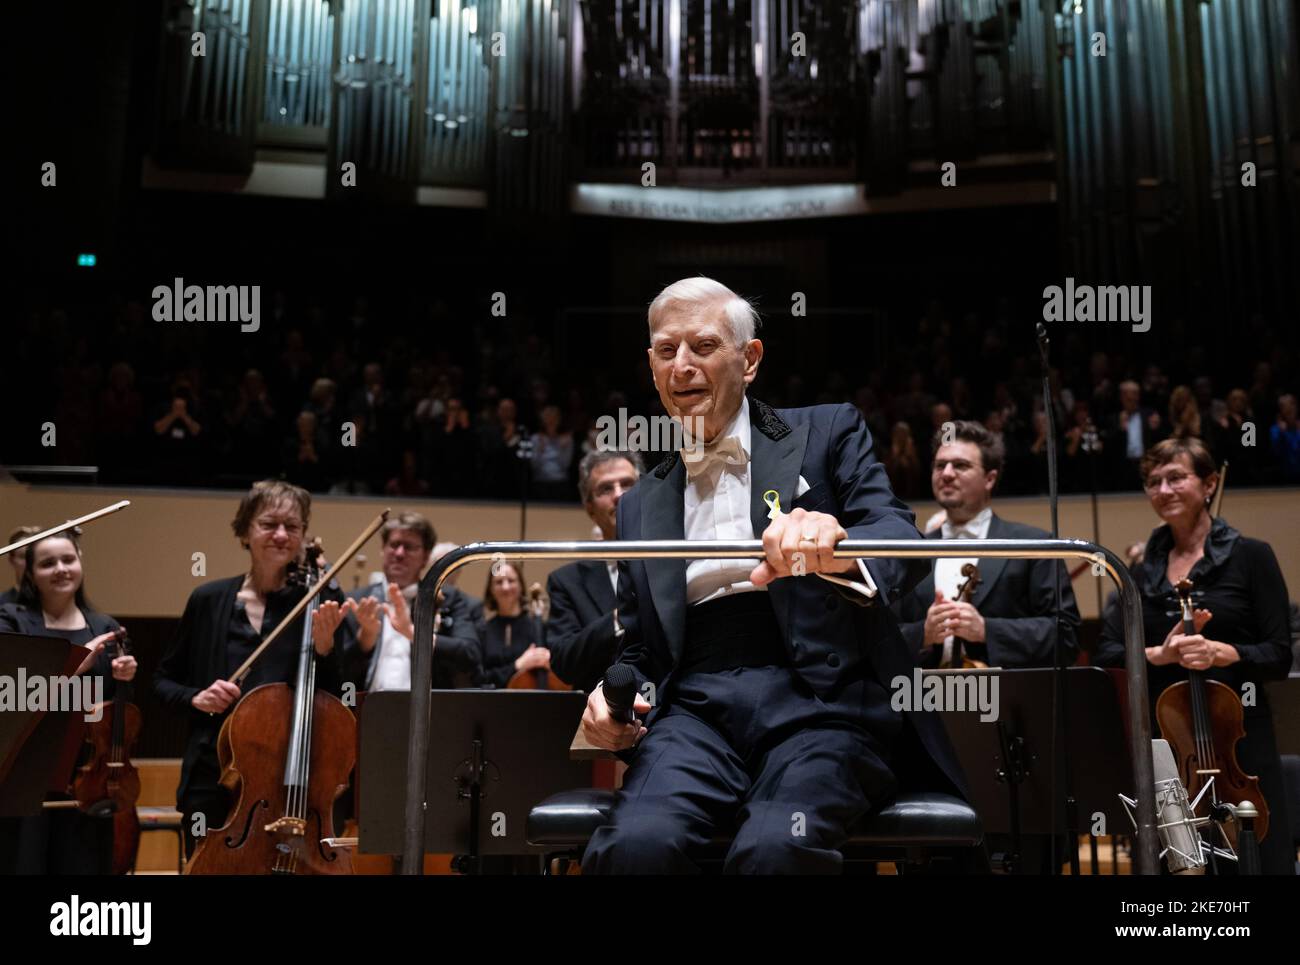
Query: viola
x,y
108,784
1203,719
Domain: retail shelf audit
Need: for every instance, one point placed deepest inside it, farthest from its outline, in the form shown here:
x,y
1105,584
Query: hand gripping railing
x,y
1139,730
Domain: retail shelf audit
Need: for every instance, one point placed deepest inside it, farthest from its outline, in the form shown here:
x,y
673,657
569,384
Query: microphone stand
x,y
1091,443
524,453
1060,749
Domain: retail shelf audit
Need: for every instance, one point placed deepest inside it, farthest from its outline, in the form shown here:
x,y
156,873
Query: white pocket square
x,y
802,488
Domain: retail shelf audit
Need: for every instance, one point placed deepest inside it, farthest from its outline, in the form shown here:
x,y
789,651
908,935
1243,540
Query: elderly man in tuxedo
x,y
1011,619
764,686
583,632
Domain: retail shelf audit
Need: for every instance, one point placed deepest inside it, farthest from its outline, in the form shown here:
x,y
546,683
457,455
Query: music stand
x,y
1008,762
494,754
37,747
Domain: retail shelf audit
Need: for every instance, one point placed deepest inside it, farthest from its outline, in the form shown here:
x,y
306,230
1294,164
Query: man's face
x,y
1128,397
699,370
961,486
609,481
404,557
19,562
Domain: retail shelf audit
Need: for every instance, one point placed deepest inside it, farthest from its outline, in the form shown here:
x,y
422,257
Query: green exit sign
x,y
86,260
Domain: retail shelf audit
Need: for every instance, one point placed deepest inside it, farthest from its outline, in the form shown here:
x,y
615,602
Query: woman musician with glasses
x,y
224,622
1238,602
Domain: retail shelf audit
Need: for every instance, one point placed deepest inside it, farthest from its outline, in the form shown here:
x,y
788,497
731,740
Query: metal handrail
x,y
1139,730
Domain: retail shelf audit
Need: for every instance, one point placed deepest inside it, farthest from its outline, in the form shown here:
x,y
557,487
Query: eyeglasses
x,y
958,465
393,545
268,525
1176,480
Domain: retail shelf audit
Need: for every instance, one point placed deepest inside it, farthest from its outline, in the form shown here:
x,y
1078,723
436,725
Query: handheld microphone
x,y
620,691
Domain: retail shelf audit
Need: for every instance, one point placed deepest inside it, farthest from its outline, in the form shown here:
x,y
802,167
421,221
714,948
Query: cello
x,y
959,659
1202,720
285,755
108,784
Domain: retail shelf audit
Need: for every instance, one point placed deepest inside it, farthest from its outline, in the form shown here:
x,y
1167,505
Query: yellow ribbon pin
x,y
773,500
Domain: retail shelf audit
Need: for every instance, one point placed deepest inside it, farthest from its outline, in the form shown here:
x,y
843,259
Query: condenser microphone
x,y
1176,823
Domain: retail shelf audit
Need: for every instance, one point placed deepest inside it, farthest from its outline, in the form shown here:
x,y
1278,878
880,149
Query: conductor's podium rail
x,y
923,817
912,831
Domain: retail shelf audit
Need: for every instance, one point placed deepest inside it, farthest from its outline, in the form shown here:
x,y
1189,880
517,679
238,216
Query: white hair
x,y
695,294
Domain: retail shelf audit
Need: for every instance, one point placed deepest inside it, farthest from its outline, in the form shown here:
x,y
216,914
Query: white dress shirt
x,y
947,572
1133,436
717,507
394,669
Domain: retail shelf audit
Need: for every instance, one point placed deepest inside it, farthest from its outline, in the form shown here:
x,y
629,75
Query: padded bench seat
x,y
914,821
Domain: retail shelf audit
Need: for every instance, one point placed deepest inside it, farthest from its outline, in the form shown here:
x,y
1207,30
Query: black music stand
x,y
1008,760
493,755
37,747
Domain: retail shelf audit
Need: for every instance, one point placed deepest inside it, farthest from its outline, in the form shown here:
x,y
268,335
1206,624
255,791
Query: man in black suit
x,y
377,655
1011,620
1129,433
764,687
582,633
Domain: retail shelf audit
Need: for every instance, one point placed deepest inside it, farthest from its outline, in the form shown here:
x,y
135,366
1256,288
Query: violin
x,y
108,784
286,754
1202,720
539,678
960,660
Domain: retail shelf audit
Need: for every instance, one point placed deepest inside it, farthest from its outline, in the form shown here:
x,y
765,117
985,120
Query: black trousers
x,y
743,746
751,751
203,795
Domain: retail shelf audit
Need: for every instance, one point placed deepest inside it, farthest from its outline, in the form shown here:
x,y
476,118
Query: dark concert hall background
x,y
467,205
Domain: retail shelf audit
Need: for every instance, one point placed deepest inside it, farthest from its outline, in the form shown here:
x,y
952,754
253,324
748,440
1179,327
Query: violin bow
x,y
1218,493
64,527
323,582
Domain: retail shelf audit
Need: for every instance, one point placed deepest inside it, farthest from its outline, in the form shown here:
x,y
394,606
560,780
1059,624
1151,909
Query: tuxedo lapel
x,y
776,456
990,569
773,464
925,589
663,516
595,581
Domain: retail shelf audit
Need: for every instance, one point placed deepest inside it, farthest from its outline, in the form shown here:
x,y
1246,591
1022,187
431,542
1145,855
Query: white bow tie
x,y
961,532
726,452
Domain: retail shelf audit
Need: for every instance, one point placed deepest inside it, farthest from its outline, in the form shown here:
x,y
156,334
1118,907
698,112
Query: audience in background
x,y
349,403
